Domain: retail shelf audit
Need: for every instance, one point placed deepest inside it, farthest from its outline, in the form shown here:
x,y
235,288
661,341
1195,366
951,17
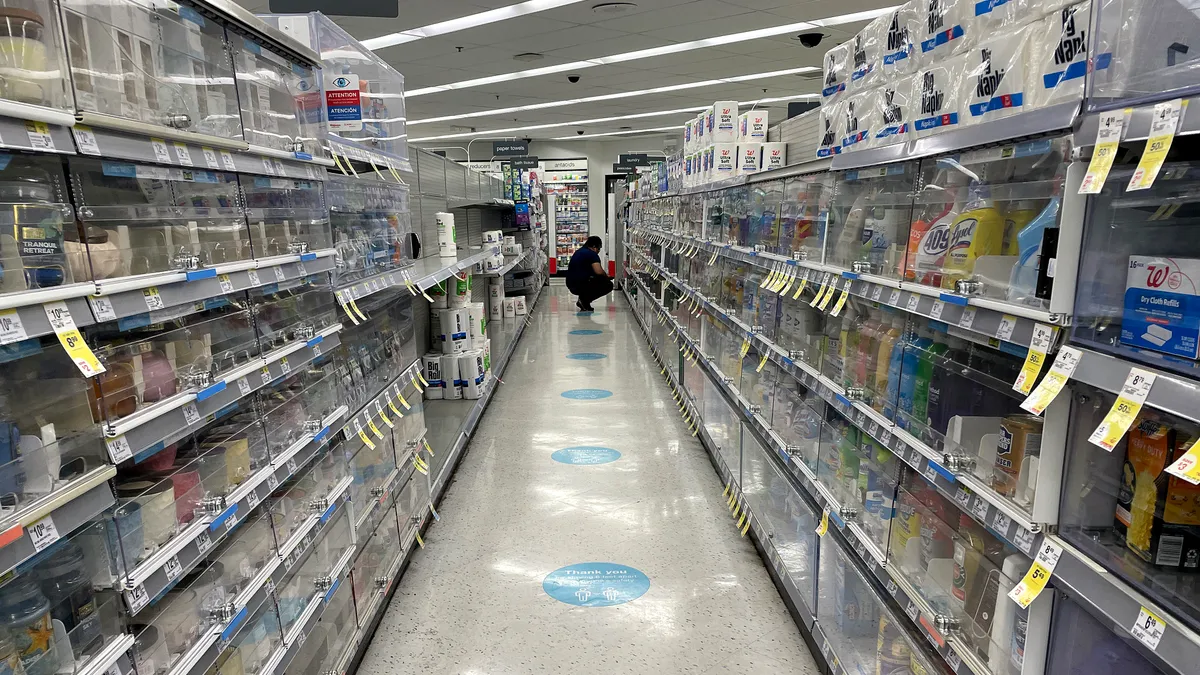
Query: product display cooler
x,y
209,377
918,370
567,202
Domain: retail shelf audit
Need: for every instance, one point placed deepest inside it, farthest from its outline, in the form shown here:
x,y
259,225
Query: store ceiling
x,y
578,32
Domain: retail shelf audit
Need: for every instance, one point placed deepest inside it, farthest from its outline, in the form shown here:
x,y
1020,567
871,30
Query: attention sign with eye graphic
x,y
343,104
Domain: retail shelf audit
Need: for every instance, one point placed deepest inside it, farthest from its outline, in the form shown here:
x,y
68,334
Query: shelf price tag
x,y
1039,345
828,295
841,301
118,449
161,153
42,533
11,328
967,319
1148,628
374,429
1060,371
744,350
1124,410
791,279
823,527
761,363
71,340
1162,132
800,288
85,140
1108,137
769,280
817,298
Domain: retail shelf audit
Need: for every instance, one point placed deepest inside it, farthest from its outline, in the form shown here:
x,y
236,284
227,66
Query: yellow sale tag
x,y
761,363
1124,410
742,519
817,298
1039,345
428,448
746,528
413,382
420,541
359,312
1047,390
828,296
737,508
800,288
350,165
376,168
422,379
338,163
386,420
726,493
841,302
745,349
791,279
366,441
1162,132
374,429
403,402
823,527
769,280
392,405
71,340
732,498
1108,137
1029,588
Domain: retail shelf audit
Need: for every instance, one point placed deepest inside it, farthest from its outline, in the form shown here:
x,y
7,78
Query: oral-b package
x,y
1162,310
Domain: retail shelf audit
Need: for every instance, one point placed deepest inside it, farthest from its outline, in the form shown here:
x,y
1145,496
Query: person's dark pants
x,y
595,287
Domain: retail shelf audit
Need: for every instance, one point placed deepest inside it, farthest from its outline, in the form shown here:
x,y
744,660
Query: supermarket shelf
x,y
113,659
386,398
422,274
1170,393
381,163
35,129
811,166
489,202
992,320
510,262
67,508
981,504
368,516
153,577
1107,596
151,429
1137,123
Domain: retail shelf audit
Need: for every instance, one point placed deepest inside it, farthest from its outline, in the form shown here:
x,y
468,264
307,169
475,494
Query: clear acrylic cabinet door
x,y
1083,645
34,61
295,408
868,219
142,219
278,99
297,310
253,646
1138,267
1128,33
371,226
287,216
333,633
981,220
803,215
40,246
1124,511
160,63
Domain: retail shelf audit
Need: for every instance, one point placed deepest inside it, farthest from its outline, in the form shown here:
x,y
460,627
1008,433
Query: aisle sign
x,y
1162,131
509,148
343,103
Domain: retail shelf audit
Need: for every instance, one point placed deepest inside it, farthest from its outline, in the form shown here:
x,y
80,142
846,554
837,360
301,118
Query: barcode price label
x,y
210,158
11,328
291,467
251,499
285,366
59,316
190,414
963,497
279,275
39,136
979,507
265,374
203,542
1030,587
227,161
172,568
252,275
1000,523
243,386
161,153
42,533
911,611
967,319
316,350
118,449
1108,137
1023,538
102,307
894,297
225,282
1124,410
1149,628
153,299
85,140
1047,390
936,311
183,153
914,300
892,588
1039,345
1008,323
930,472
267,166
876,293
1162,131
272,481
137,599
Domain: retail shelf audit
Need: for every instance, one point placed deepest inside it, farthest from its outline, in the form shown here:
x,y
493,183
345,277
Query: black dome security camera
x,y
579,131
572,79
810,40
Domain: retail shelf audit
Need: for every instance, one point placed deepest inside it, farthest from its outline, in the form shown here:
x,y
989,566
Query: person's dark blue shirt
x,y
580,268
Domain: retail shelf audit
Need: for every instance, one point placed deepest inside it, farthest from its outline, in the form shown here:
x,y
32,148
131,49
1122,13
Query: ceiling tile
x,y
700,30
530,26
582,13
698,10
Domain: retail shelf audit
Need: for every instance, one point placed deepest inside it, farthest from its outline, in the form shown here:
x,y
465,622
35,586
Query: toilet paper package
x,y
487,360
1057,58
438,293
936,92
752,127
450,375
837,73
470,373
493,263
519,305
993,87
896,106
831,124
431,367
496,306
725,122
445,233
941,28
511,249
492,236
862,117
749,158
509,239
724,160
774,156
510,308
478,323
455,326
460,290
995,16
866,52
898,51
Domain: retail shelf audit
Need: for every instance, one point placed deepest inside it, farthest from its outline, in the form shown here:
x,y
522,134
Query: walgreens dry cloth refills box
x,y
1162,310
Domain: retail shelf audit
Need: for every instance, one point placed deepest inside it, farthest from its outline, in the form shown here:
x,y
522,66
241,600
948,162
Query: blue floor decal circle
x,y
585,455
587,356
583,313
586,394
585,331
596,584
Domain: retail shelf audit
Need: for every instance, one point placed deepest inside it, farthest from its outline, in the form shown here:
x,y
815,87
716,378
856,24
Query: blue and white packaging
x,y
1058,58
866,54
898,49
862,118
941,28
830,127
995,86
837,73
896,107
1162,310
936,96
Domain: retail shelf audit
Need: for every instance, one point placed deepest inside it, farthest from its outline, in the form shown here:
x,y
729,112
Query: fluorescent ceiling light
x,y
610,97
465,22
619,133
655,51
601,120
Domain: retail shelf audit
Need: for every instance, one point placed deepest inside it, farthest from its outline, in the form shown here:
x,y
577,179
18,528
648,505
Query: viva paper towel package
x,y
862,119
460,290
1056,55
936,90
896,105
837,73
453,389
866,53
995,84
831,125
898,50
941,28
431,365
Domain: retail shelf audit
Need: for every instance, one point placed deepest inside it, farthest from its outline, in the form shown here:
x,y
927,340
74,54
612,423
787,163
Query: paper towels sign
x,y
343,103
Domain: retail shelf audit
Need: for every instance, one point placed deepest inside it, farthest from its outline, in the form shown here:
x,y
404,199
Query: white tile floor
x,y
472,601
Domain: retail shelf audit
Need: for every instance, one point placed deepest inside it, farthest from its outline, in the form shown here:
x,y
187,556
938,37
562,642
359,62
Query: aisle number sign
x,y
1108,136
1162,131
1124,410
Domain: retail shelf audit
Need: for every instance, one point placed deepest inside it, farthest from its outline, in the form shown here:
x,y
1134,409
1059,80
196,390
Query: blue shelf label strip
x,y
321,434
210,391
220,520
315,341
233,625
953,299
196,275
332,590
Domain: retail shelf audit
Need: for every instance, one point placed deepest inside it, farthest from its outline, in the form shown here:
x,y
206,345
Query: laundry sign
x,y
343,102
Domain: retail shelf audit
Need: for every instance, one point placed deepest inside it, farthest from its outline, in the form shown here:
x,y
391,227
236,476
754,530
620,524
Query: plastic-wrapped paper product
x,y
862,115
941,28
1056,56
774,156
898,50
866,53
837,72
996,16
938,96
994,86
831,126
897,106
432,365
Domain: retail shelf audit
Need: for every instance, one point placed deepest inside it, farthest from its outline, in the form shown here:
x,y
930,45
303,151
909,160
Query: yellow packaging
x,y
978,231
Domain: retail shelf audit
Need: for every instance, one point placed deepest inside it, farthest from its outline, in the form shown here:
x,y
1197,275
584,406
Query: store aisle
x,y
476,599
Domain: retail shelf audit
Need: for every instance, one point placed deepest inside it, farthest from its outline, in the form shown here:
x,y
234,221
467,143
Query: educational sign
x,y
587,356
585,455
343,105
586,394
596,584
